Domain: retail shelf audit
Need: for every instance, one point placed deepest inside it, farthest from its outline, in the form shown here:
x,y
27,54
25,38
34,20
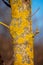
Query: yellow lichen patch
x,y
31,35
19,3
30,54
14,7
24,14
25,63
32,62
27,37
11,28
27,49
13,24
20,40
14,35
19,57
15,14
13,31
20,31
24,23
